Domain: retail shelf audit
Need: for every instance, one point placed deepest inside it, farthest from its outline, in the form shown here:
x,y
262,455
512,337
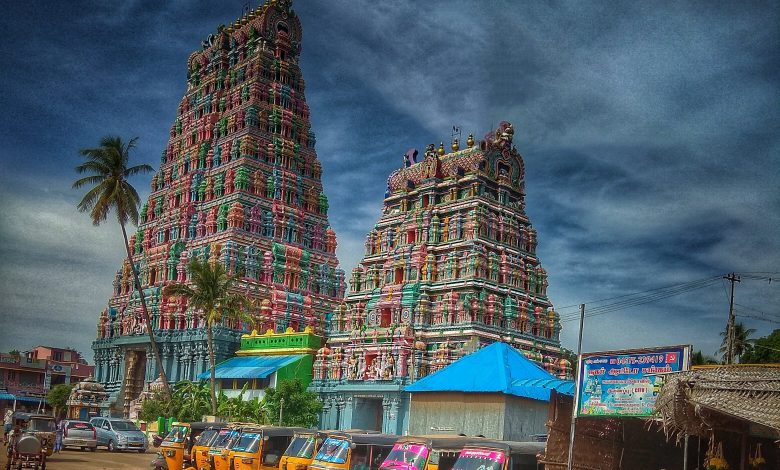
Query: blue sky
x,y
650,133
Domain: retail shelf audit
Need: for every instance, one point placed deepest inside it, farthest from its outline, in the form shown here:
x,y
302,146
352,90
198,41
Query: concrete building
x,y
495,392
26,377
263,360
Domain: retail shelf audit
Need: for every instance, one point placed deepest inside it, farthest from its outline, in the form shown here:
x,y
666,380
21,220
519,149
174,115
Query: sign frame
x,y
615,359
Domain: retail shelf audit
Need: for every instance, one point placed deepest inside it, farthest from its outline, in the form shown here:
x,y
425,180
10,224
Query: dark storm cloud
x,y
649,130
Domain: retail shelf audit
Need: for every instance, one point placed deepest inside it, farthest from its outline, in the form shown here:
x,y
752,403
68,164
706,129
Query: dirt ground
x,y
98,460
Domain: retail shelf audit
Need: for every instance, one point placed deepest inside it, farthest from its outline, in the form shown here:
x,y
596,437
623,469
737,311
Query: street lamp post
x,y
281,410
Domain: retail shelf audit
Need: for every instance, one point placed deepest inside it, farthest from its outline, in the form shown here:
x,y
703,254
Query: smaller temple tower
x,y
450,267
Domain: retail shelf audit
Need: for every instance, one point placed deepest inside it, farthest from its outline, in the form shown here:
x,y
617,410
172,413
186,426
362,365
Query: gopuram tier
x,y
450,267
239,183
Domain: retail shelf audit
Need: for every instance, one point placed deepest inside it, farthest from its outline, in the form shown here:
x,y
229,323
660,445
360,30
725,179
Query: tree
x,y
765,350
107,167
209,291
301,407
699,359
58,397
741,339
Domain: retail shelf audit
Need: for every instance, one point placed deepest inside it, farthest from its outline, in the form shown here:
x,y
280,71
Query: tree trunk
x,y
147,318
210,338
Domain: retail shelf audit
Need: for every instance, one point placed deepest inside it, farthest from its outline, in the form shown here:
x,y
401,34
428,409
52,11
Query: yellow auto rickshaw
x,y
353,451
177,445
261,447
426,452
300,452
219,452
499,455
200,457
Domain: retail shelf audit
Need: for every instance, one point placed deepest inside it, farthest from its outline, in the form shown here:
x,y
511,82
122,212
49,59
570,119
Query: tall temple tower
x,y
239,184
449,267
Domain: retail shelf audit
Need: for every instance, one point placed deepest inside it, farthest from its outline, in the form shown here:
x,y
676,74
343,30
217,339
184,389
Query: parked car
x,y
119,434
79,434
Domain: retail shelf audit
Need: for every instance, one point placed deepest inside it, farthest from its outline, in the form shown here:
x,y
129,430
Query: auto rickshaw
x,y
201,459
177,445
426,452
499,455
220,447
260,447
44,428
300,453
26,450
353,451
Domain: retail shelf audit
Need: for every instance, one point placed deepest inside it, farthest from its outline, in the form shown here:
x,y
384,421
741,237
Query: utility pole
x,y
730,328
281,410
575,405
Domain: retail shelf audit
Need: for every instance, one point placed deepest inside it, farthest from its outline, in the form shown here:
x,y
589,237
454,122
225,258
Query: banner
x,y
626,383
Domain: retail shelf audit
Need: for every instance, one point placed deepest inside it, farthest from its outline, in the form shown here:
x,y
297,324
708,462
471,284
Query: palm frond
x,y
139,169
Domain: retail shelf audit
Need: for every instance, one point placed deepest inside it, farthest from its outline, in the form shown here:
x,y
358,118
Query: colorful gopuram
x,y
239,183
450,267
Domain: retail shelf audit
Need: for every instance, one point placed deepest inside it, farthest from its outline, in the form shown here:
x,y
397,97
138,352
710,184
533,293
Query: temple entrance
x,y
135,377
367,414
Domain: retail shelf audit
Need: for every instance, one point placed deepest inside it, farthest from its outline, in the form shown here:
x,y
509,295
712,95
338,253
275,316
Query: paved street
x,y
99,460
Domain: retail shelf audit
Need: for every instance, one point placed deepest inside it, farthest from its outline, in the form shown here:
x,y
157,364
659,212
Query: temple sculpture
x,y
450,267
239,183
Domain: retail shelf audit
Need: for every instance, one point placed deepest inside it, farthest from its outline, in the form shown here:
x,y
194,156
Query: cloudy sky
x,y
650,132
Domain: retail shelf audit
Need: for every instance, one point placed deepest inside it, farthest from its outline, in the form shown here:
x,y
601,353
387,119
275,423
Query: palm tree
x,y
741,340
108,171
209,291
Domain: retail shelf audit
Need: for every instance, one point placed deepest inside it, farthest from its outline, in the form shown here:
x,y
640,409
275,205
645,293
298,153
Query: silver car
x,y
79,434
119,434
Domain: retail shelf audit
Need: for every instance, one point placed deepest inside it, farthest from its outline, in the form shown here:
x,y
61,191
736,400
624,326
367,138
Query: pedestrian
x,y
58,436
8,421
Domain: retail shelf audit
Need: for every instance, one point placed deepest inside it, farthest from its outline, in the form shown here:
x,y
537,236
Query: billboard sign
x,y
626,383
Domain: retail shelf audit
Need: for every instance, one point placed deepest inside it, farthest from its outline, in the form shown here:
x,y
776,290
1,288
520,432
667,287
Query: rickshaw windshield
x,y
333,451
41,425
246,442
478,459
177,434
206,437
406,456
301,446
223,439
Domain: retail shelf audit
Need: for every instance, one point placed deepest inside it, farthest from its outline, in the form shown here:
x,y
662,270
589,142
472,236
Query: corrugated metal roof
x,y
250,367
6,396
495,368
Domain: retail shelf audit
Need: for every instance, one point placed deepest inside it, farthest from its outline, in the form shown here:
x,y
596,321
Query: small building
x,y
263,360
494,392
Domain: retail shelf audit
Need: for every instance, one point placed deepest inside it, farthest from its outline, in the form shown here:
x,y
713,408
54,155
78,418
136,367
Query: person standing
x,y
58,435
8,421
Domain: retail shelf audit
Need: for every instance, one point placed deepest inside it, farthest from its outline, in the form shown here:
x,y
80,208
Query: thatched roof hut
x,y
729,398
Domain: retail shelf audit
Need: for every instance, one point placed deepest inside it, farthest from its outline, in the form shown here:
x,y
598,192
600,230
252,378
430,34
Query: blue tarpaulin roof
x,y
495,368
6,396
31,399
250,367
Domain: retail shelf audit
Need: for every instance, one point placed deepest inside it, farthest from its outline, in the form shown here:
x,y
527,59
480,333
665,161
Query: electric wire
x,y
590,302
648,297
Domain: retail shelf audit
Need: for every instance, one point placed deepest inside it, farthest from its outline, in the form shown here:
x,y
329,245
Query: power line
x,y
744,315
591,302
655,296
758,311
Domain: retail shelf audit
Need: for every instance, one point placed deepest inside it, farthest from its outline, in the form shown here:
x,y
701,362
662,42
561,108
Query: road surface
x,y
99,460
